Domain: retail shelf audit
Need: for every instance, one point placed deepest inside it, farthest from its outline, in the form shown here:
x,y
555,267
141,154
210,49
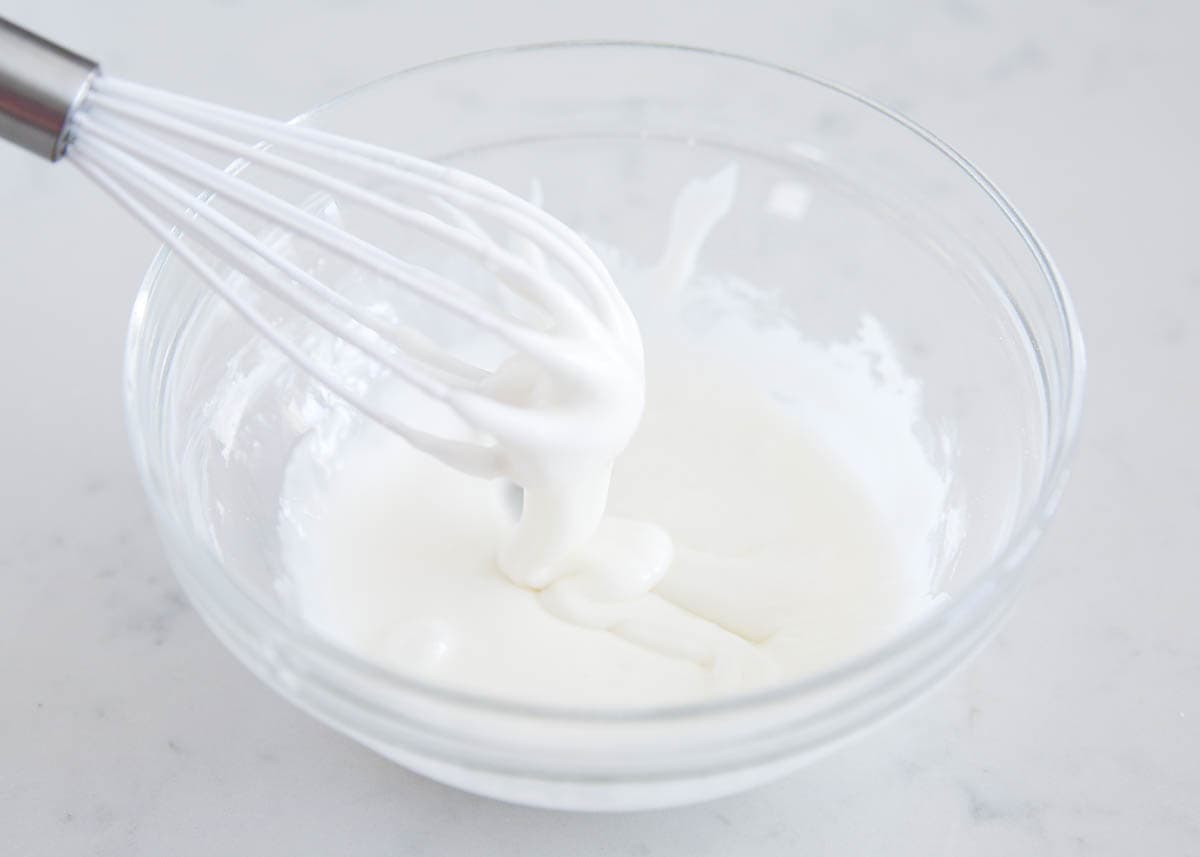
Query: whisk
x,y
565,394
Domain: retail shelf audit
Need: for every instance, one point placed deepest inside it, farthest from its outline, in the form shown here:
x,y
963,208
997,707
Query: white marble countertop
x,y
126,729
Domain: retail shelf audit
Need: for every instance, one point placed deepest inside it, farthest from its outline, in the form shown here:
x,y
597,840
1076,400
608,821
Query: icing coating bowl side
x,y
845,211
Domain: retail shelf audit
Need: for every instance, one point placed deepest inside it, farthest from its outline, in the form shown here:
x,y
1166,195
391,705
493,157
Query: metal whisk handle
x,y
41,84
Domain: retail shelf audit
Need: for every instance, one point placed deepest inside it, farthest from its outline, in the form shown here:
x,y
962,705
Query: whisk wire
x,y
480,459
246,252
439,290
438,180
173,238
532,284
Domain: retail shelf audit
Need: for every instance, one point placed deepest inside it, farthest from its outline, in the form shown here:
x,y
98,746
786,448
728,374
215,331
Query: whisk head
x,y
302,218
301,215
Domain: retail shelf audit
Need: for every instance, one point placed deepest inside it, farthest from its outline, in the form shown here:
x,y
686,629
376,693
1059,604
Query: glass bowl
x,y
876,218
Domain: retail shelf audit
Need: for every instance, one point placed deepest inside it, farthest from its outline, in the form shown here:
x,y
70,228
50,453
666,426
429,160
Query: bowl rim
x,y
1001,575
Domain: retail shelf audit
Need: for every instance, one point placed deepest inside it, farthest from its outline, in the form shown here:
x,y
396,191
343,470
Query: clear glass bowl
x,y
896,225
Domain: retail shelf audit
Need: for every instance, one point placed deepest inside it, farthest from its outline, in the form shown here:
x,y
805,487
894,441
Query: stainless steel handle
x,y
41,84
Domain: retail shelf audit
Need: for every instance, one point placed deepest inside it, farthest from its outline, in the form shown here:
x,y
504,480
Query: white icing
x,y
726,541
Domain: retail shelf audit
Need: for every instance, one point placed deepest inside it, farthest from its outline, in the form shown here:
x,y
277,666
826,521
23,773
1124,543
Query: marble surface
x,y
125,728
